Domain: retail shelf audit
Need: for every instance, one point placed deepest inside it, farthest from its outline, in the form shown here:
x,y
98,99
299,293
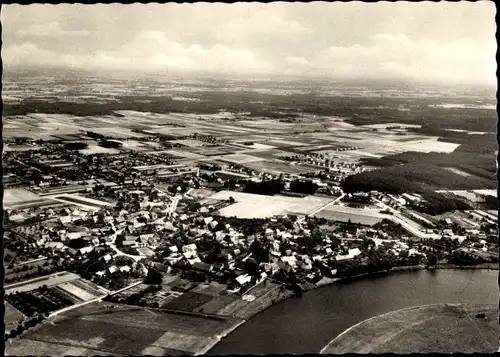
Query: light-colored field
x,y
458,172
240,158
442,328
96,149
355,215
80,293
250,205
32,284
279,142
12,316
487,192
12,196
185,154
279,167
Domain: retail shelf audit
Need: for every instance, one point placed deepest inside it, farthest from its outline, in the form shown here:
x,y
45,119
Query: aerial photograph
x,y
250,178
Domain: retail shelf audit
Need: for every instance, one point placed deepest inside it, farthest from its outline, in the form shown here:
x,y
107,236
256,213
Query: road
x,y
323,207
396,218
118,251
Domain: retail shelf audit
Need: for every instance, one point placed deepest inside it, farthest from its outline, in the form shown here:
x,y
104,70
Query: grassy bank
x,y
441,328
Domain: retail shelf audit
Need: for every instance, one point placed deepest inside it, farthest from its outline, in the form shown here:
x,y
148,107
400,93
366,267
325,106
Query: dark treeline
x,y
271,187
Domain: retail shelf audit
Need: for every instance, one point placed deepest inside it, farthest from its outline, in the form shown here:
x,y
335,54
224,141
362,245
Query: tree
x,y
432,259
154,277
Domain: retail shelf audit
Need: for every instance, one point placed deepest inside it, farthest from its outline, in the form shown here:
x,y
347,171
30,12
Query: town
x,y
208,224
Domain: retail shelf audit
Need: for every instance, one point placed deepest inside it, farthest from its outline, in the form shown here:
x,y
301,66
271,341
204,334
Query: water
x,y
307,324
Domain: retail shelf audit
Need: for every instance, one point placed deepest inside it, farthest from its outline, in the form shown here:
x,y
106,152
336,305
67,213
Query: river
x,y
307,324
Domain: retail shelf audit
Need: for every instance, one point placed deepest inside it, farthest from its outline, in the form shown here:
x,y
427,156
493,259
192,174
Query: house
x,y
243,279
113,269
201,266
74,235
86,249
128,243
189,247
207,220
107,258
125,269
173,249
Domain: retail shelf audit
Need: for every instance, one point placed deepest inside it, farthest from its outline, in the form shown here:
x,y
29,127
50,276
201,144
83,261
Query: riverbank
x,y
280,296
442,328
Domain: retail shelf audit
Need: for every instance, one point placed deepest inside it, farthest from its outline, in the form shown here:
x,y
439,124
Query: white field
x,y
458,172
95,149
487,192
240,158
287,142
76,291
13,196
250,205
185,154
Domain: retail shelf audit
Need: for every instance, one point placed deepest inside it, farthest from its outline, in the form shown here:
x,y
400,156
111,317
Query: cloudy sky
x,y
451,42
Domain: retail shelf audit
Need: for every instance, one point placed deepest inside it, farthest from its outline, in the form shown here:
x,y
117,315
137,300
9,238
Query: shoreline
x,y
329,281
385,317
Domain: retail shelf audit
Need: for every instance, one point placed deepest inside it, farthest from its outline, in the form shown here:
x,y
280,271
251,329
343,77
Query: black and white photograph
x,y
250,178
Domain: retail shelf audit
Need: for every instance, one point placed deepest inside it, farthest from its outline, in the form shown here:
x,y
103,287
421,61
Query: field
x,y
443,328
78,292
12,316
32,284
279,167
125,330
344,214
240,158
250,205
13,196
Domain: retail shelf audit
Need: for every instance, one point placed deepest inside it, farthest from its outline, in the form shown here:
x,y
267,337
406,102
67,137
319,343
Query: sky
x,y
451,42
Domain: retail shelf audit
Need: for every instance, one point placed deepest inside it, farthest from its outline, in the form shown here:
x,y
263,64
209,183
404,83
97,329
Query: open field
x,y
344,214
279,167
12,316
240,158
126,330
77,291
13,196
442,328
32,284
250,205
458,172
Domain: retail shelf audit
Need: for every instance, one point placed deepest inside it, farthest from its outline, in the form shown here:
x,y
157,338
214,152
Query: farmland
x,y
125,330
